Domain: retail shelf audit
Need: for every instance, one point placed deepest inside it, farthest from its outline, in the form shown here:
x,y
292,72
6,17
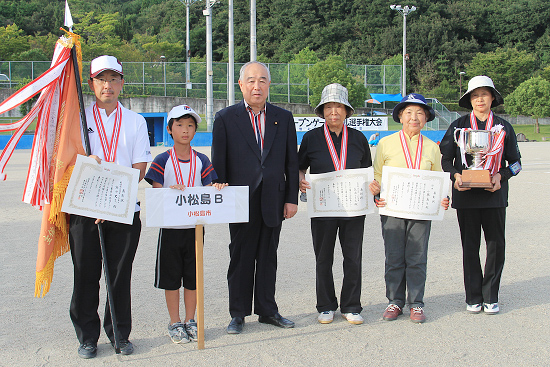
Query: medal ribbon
x,y
407,153
473,121
177,168
109,149
339,164
493,158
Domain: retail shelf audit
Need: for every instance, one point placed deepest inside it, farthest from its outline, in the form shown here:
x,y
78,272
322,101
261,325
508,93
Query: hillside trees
x,y
442,36
507,67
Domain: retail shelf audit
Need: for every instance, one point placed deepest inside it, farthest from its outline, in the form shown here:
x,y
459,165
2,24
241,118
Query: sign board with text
x,y
361,123
171,208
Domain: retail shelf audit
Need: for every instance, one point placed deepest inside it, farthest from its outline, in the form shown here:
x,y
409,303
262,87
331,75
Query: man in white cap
x,y
116,135
254,145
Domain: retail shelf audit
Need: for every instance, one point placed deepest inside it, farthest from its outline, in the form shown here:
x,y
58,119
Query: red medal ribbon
x,y
339,164
177,168
473,121
109,149
404,146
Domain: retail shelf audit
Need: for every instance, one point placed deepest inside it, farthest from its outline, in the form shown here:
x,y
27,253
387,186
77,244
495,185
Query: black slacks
x,y
253,265
121,242
482,286
350,233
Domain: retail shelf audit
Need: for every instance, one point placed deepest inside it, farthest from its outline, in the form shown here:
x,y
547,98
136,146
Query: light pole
x,y
163,61
231,63
187,47
253,51
404,10
461,73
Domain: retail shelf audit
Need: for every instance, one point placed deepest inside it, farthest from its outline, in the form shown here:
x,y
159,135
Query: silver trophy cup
x,y
477,143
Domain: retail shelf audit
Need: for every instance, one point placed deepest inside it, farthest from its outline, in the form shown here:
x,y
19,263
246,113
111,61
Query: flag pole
x,y
84,126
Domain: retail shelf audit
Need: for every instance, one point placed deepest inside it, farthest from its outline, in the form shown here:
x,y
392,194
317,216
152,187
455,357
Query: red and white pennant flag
x,y
57,141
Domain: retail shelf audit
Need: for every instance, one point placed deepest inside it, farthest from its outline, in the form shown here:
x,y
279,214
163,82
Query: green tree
x,y
12,42
333,70
305,56
545,73
531,98
507,67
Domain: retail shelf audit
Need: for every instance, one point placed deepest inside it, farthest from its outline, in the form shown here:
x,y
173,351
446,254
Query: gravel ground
x,y
38,331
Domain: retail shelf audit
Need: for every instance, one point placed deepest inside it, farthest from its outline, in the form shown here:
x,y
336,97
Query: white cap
x,y
182,110
105,62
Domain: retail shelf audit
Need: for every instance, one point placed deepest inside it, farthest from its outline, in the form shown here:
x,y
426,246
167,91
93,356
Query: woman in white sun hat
x,y
478,208
329,148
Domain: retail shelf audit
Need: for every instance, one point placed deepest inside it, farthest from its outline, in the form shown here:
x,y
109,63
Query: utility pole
x,y
253,52
231,64
209,70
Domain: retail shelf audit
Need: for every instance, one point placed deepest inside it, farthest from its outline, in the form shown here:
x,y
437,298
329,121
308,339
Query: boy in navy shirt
x,y
178,168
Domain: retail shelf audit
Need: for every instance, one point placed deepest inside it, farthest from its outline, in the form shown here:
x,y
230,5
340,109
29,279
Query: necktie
x,y
258,133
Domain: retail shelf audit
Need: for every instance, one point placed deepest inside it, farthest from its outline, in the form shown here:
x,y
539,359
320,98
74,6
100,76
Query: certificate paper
x,y
342,193
414,194
171,208
106,191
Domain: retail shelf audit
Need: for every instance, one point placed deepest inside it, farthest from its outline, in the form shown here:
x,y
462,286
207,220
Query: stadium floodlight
x,y
404,11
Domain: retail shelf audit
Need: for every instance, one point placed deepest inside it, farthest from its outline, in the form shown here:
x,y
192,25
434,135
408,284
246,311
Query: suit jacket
x,y
237,159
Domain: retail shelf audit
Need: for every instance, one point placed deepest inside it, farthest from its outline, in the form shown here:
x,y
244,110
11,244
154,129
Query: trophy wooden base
x,y
476,178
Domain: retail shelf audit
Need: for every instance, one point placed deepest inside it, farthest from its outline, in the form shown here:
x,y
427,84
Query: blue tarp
x,y
387,97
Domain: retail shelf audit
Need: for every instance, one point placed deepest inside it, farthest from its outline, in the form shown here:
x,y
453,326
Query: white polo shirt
x,y
133,141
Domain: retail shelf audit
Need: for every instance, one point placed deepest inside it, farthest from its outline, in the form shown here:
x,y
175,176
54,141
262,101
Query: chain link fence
x,y
289,82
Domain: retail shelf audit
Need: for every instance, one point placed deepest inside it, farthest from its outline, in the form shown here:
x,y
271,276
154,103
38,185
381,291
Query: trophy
x,y
476,143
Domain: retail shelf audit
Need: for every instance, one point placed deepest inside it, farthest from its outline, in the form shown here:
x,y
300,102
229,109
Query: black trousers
x,y
253,266
482,286
121,241
350,233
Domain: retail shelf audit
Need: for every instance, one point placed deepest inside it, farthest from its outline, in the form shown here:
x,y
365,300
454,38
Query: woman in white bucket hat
x,y
478,208
329,148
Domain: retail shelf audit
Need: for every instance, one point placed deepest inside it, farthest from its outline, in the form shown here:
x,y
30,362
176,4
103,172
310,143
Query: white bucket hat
x,y
103,63
478,82
182,110
334,93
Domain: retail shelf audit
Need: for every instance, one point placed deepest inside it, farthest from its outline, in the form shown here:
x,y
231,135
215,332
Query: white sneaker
x,y
491,308
177,333
191,329
475,308
353,318
326,317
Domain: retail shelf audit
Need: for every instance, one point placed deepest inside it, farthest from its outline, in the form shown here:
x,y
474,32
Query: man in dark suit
x,y
254,144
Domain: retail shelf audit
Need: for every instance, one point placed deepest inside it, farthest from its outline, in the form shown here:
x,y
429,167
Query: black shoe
x,y
87,350
126,346
236,325
276,320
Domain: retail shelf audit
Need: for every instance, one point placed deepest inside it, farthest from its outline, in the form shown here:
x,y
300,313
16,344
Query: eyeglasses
x,y
112,81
